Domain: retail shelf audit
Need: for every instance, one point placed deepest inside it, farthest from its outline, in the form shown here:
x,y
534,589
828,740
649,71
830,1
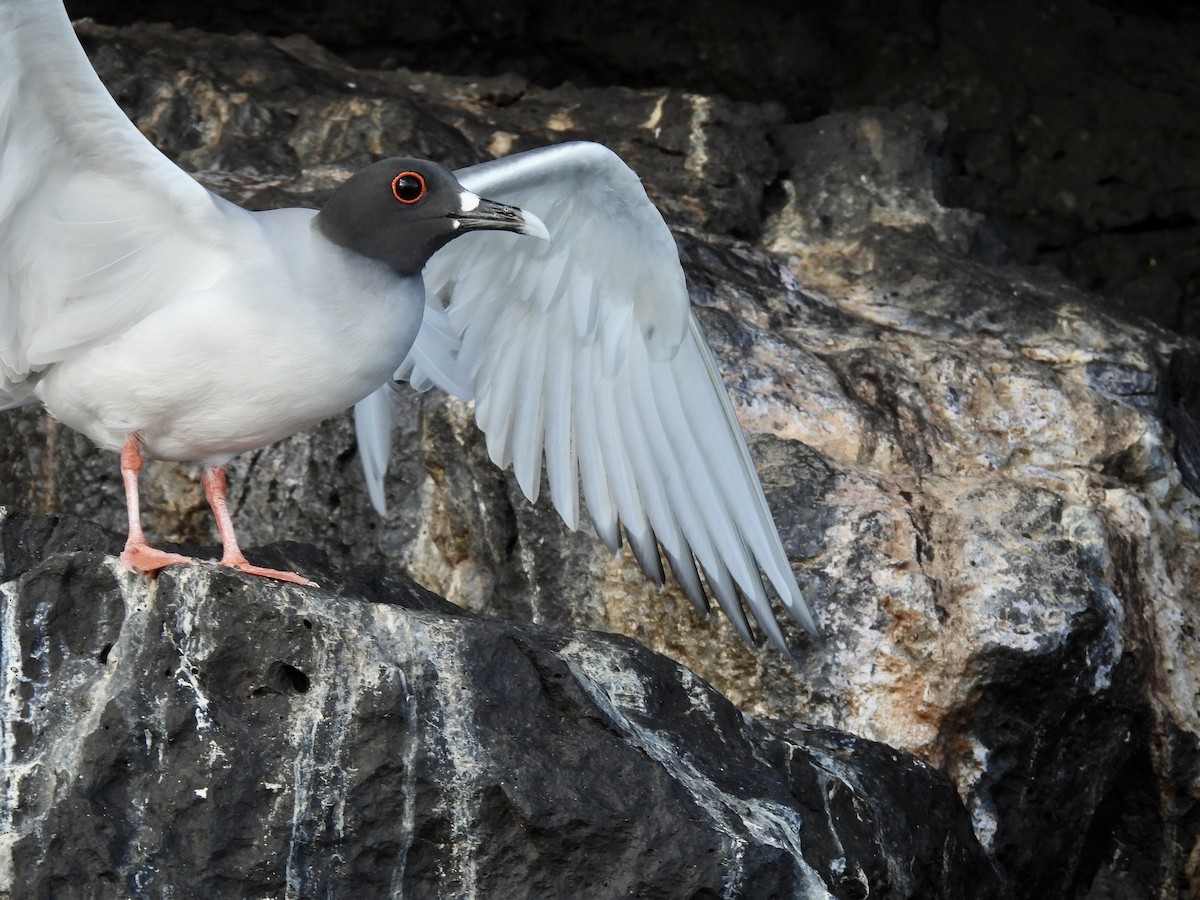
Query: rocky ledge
x,y
985,478
208,734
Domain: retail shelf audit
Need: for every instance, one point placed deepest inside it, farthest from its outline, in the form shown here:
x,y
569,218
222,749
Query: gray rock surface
x,y
985,481
214,735
1072,123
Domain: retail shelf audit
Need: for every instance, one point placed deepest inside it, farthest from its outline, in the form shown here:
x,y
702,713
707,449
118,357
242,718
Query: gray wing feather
x,y
585,352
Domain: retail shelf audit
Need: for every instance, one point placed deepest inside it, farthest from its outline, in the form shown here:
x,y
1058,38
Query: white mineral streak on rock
x,y
697,155
1173,618
699,696
971,768
11,715
323,719
193,641
767,822
322,726
308,766
833,773
466,757
409,789
60,755
419,646
654,120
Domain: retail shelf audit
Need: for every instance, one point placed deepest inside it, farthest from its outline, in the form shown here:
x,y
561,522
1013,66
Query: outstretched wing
x,y
90,211
585,351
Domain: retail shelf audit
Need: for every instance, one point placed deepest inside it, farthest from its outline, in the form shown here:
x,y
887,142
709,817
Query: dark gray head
x,y
401,211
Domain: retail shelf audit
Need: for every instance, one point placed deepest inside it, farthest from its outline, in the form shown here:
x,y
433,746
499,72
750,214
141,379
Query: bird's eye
x,y
408,187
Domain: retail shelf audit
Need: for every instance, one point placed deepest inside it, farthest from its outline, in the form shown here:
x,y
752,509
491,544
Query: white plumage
x,y
144,311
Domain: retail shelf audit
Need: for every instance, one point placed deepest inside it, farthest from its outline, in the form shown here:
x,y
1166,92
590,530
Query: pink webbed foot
x,y
147,560
214,489
243,565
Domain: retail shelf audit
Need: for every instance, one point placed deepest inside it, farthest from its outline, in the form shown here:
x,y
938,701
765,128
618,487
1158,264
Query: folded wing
x,y
585,352
90,211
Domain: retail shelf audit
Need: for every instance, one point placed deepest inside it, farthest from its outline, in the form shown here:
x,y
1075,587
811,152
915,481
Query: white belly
x,y
231,368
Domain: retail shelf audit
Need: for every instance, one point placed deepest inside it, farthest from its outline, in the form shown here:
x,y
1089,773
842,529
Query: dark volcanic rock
x,y
209,734
985,482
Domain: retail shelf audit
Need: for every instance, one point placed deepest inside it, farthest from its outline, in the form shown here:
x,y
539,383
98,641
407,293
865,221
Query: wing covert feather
x,y
586,350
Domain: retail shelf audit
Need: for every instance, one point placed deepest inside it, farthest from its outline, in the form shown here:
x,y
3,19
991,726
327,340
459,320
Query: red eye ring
x,y
408,187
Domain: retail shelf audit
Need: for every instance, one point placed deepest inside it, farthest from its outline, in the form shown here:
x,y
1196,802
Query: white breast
x,y
292,331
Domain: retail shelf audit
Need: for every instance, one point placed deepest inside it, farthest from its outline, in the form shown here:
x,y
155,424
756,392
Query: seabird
x,y
163,321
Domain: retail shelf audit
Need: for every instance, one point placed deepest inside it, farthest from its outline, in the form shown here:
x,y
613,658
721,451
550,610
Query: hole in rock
x,y
289,679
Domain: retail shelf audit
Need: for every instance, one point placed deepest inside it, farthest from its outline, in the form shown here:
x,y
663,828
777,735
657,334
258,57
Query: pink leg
x,y
214,489
138,555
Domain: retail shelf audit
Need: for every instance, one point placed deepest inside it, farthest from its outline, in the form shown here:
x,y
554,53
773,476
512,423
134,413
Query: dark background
x,y
1074,124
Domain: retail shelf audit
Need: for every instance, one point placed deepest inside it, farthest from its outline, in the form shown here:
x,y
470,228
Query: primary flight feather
x,y
161,320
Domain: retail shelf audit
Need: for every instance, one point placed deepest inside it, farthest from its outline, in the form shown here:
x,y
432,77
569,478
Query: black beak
x,y
489,215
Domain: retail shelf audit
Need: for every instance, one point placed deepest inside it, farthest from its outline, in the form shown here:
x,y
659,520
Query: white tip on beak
x,y
478,214
534,227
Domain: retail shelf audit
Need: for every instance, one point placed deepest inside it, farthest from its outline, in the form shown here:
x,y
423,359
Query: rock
x,y
1048,109
1183,413
210,734
1049,113
984,479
